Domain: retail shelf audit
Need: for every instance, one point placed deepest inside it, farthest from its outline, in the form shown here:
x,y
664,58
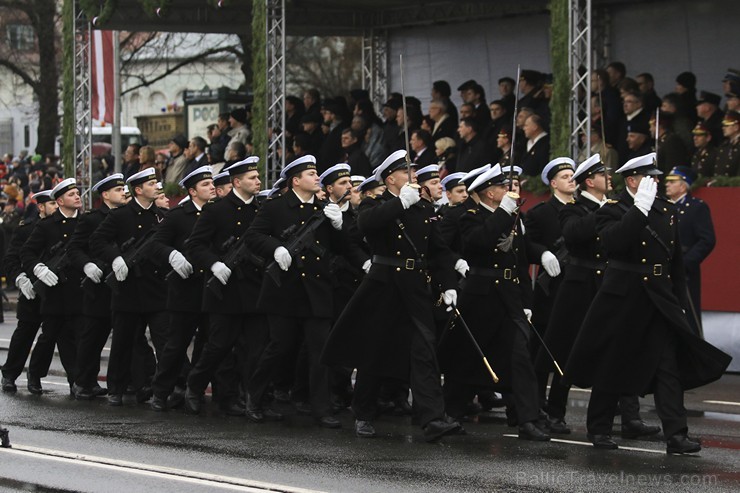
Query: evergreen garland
x,y
102,9
560,102
151,7
259,79
68,87
218,4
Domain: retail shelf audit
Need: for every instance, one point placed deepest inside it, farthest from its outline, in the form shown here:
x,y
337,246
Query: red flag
x,y
102,64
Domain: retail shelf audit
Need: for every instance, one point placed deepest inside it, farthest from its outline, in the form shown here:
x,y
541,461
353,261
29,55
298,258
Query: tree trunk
x,y
47,90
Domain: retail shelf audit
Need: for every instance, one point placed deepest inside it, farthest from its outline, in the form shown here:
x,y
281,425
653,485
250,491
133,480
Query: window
x,y
21,37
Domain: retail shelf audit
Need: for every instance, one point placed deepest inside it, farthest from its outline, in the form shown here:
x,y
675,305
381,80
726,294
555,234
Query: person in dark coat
x,y
705,156
670,149
473,151
234,322
707,109
184,288
635,339
696,231
537,152
96,296
28,311
635,116
311,125
441,91
637,140
304,280
141,296
728,155
61,301
495,301
444,124
423,147
650,98
402,233
580,282
331,149
353,154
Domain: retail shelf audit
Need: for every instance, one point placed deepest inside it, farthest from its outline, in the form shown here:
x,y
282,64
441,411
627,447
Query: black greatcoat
x,y
183,295
66,297
449,226
619,345
144,290
374,331
26,309
219,221
306,288
543,231
580,282
96,298
493,307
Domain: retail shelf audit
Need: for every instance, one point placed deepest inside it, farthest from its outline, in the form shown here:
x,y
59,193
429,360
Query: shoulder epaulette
x,y
473,211
612,201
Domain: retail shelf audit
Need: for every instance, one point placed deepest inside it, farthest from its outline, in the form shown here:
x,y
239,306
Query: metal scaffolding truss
x,y
375,66
82,142
579,42
275,48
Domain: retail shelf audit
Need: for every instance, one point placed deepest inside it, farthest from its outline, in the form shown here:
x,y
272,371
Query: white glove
x,y
45,275
283,258
120,269
409,196
551,264
93,272
25,285
366,266
645,195
334,214
528,313
180,264
450,298
462,267
221,271
508,203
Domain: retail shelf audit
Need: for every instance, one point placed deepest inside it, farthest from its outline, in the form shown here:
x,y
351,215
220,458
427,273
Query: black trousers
x,y
668,396
426,388
557,402
91,340
59,330
244,332
29,322
174,356
128,328
286,334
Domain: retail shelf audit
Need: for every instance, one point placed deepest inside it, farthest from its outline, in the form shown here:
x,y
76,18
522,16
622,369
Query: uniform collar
x,y
309,201
681,199
136,201
487,207
593,199
238,196
74,215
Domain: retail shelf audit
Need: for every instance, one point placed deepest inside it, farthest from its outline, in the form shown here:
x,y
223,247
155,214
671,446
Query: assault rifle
x,y
57,262
236,253
132,253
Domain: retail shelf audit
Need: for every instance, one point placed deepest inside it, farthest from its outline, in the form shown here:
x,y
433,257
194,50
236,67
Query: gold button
x,y
314,207
644,278
139,226
238,223
496,281
644,244
317,241
318,275
65,235
598,272
598,238
238,208
426,237
318,258
303,257
665,210
598,255
139,212
64,221
301,206
644,260
237,237
197,213
398,269
495,266
398,253
399,237
495,250
303,222
303,274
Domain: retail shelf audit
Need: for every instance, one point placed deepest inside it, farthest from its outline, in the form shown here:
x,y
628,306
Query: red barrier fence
x,y
721,270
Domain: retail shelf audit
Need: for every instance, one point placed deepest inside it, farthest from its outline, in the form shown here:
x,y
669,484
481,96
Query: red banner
x,y
102,65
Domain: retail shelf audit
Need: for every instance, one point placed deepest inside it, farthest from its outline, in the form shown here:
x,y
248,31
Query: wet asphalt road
x,y
63,445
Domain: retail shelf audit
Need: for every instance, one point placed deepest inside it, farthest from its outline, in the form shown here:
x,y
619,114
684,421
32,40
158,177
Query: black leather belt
x,y
655,270
505,274
587,263
401,263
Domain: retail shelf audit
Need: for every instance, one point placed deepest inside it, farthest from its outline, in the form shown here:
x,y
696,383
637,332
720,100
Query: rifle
x,y
57,262
236,253
299,239
131,251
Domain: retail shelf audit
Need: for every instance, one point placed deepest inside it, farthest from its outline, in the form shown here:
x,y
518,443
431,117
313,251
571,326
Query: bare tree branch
x,y
20,73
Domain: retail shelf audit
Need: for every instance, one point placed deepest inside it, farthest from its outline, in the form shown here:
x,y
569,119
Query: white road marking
x,y
589,444
726,403
192,477
55,352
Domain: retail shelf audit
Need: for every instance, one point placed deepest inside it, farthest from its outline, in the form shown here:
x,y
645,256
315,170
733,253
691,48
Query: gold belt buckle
x,y
410,264
658,270
507,274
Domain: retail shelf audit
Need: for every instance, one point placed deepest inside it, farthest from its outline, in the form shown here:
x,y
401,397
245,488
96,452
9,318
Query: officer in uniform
x,y
494,297
184,284
122,239
61,305
635,338
544,246
403,235
305,281
704,159
696,231
28,310
234,318
728,156
96,297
